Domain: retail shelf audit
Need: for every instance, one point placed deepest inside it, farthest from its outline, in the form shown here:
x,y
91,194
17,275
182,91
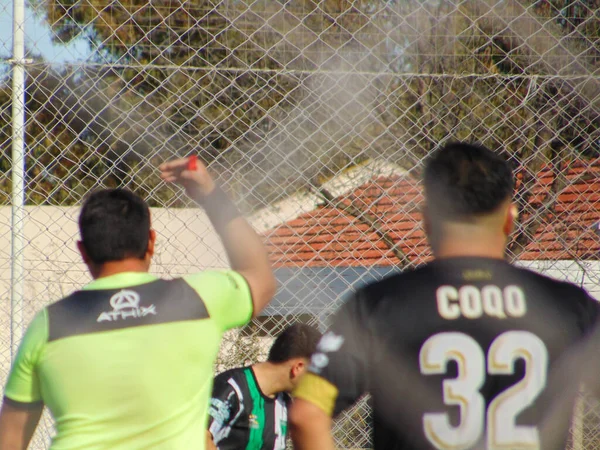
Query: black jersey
x,y
242,417
462,353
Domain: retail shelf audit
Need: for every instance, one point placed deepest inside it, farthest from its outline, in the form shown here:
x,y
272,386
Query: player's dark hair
x,y
465,180
296,341
114,225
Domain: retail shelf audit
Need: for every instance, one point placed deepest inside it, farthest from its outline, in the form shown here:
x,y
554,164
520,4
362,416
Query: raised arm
x,y
210,445
245,250
310,426
337,377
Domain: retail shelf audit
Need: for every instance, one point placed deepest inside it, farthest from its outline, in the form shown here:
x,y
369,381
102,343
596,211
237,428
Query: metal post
x,y
18,174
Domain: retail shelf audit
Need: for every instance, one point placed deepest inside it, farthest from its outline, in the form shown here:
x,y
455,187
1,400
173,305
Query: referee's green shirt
x,y
127,362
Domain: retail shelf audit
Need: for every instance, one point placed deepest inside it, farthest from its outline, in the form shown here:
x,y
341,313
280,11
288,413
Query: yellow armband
x,y
317,391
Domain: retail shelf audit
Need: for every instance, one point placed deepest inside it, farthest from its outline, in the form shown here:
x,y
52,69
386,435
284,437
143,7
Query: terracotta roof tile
x,y
332,237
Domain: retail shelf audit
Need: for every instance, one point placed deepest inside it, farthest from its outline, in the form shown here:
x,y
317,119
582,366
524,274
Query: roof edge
x,y
305,201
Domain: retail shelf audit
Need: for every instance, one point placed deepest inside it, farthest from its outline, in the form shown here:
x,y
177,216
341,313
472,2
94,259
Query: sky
x,y
38,38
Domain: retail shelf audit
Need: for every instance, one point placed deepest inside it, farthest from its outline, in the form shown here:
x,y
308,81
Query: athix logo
x,y
125,304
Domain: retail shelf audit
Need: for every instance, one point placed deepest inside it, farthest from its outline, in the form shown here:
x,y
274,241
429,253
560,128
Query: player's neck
x,y
272,378
482,237
474,246
115,267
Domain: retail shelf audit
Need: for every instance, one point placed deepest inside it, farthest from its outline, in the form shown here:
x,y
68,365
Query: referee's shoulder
x,y
63,302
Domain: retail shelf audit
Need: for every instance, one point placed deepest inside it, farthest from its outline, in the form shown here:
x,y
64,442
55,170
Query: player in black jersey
x,y
248,409
466,352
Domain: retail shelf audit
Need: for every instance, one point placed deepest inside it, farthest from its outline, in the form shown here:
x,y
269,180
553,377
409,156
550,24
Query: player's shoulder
x,y
529,277
285,398
563,295
413,279
231,373
234,376
367,298
393,282
214,277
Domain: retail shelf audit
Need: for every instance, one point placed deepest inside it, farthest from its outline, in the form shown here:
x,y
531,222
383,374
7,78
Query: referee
x,y
465,352
127,362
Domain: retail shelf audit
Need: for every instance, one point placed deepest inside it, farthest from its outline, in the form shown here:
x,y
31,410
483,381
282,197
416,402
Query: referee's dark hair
x,y
114,225
296,341
463,181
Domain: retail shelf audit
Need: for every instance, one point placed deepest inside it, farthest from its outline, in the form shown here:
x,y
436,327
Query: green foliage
x,y
235,82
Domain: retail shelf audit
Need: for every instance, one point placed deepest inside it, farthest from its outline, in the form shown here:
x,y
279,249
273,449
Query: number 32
x,y
463,391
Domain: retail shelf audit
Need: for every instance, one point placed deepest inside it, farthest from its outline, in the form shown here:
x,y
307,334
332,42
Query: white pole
x,y
18,174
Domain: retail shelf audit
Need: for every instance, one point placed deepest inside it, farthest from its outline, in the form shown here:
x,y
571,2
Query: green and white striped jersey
x,y
242,417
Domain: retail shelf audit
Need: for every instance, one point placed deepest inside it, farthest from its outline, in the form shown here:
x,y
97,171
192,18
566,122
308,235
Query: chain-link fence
x,y
316,116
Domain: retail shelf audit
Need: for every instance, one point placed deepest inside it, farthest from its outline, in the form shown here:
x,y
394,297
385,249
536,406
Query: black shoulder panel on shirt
x,y
96,311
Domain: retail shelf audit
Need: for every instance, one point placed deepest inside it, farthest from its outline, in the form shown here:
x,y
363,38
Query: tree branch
x,y
559,183
367,219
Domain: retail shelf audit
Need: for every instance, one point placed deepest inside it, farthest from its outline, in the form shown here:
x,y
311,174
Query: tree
x,y
485,78
236,80
516,83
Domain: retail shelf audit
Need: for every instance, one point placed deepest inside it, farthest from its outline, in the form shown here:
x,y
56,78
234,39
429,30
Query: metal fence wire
x,y
316,116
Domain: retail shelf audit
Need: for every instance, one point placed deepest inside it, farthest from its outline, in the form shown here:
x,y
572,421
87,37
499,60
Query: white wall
x,y
583,273
186,243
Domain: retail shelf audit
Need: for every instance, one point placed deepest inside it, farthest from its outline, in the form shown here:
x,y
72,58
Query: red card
x,y
192,162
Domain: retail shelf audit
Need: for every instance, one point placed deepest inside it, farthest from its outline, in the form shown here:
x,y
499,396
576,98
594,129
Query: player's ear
x,y
432,237
426,221
151,244
512,215
83,252
92,267
298,368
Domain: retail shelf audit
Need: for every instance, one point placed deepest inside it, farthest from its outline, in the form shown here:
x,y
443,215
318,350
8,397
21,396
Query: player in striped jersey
x,y
248,408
